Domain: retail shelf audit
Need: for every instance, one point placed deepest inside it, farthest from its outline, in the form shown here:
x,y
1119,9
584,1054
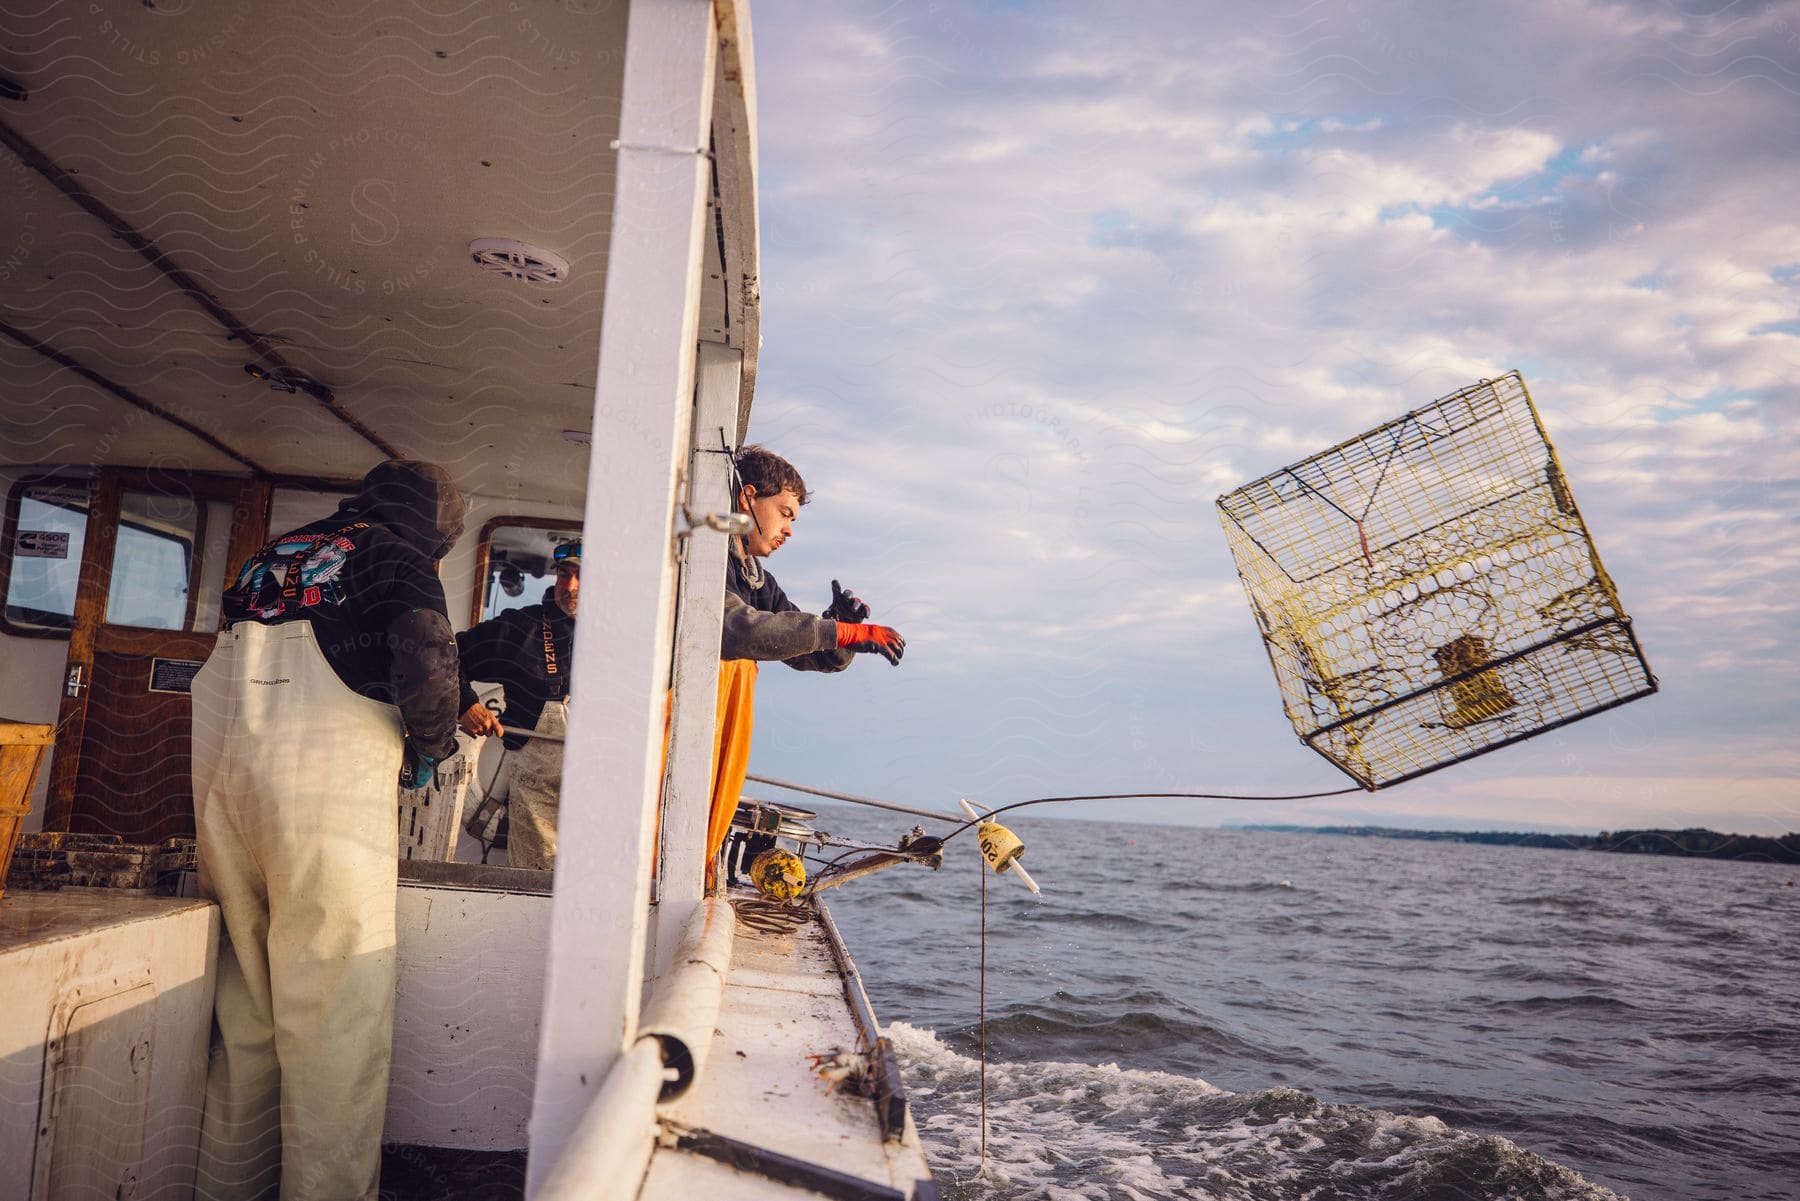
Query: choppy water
x,y
1196,1013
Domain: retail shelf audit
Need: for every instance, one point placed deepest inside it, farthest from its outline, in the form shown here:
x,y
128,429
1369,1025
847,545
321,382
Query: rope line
x,y
1362,535
962,824
764,915
487,848
1289,472
981,870
1131,796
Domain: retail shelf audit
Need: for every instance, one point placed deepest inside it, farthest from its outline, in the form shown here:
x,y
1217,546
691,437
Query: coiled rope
x,y
771,917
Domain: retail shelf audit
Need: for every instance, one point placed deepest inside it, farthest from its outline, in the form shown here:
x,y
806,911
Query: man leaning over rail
x,y
334,669
762,624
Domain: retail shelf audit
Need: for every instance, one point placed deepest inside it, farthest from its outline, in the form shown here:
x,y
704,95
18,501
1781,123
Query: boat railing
x,y
610,1147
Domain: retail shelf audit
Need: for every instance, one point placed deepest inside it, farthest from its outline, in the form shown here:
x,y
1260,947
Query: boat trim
x,y
885,1081
786,1169
644,393
694,709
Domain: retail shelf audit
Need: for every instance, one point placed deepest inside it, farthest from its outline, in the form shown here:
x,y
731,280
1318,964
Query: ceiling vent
x,y
518,260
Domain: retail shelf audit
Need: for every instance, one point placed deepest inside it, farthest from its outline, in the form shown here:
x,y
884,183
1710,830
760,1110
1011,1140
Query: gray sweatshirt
x,y
762,623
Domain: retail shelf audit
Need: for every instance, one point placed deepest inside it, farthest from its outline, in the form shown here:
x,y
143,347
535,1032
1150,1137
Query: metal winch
x,y
759,828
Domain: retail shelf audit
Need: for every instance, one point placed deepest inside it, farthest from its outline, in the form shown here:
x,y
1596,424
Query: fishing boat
x,y
245,254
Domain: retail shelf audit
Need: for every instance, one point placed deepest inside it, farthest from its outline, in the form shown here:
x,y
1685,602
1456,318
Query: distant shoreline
x,y
1694,843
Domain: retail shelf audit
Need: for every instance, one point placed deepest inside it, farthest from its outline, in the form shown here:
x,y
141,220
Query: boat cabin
x,y
246,254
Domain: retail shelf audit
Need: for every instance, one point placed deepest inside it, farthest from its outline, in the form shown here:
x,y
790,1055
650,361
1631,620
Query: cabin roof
x,y
293,189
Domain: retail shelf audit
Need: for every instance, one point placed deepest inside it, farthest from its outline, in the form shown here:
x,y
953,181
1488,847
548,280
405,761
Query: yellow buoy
x,y
999,846
778,873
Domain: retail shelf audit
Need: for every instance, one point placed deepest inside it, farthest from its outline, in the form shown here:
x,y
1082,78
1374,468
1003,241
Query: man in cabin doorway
x,y
335,669
528,652
762,624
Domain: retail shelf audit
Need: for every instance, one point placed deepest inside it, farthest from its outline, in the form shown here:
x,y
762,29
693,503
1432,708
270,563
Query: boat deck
x,y
786,999
410,1173
758,1123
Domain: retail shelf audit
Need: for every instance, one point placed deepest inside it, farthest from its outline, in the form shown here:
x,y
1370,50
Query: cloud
x,y
1039,287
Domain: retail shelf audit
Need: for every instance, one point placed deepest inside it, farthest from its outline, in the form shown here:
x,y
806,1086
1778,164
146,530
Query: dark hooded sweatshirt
x,y
366,579
508,649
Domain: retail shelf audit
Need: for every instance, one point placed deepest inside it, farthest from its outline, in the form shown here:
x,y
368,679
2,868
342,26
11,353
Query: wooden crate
x,y
22,749
53,859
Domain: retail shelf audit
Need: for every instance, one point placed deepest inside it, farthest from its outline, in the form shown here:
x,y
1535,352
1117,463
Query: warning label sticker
x,y
43,544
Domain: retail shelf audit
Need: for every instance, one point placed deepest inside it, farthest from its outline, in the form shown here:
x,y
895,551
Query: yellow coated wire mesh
x,y
1428,591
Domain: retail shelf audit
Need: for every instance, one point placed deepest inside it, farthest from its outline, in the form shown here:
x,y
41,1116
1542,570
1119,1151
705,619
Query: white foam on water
x,y
1086,1132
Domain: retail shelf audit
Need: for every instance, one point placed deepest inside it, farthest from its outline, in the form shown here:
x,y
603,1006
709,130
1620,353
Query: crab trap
x,y
1428,592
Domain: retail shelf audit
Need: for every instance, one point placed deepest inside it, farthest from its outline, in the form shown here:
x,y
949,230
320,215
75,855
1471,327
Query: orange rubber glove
x,y
882,640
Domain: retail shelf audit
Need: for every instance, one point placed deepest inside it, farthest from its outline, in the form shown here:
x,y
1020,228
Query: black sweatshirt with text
x,y
509,649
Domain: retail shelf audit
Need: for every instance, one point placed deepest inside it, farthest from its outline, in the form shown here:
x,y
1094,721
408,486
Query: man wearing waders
x,y
333,681
762,624
527,652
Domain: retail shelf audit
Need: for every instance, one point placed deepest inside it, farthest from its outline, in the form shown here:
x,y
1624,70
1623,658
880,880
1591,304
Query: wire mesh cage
x,y
1428,592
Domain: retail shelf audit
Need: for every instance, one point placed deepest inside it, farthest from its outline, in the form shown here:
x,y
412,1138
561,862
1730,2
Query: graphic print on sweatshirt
x,y
291,574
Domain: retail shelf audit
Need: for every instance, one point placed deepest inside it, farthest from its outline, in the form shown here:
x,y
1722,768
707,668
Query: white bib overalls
x,y
534,798
294,801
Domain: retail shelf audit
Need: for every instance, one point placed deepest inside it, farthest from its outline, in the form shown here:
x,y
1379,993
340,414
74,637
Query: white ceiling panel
x,y
320,170
54,417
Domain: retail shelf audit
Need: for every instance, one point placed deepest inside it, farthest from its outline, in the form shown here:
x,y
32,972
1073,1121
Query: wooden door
x,y
159,548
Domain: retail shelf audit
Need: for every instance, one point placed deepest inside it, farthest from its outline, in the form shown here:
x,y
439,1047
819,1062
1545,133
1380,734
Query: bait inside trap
x,y
1428,591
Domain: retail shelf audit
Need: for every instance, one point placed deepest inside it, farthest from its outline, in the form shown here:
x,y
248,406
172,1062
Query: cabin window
x,y
167,563
46,525
169,554
516,564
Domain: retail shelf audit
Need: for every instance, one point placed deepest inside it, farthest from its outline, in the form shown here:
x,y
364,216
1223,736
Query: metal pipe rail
x,y
685,1006
609,1150
934,814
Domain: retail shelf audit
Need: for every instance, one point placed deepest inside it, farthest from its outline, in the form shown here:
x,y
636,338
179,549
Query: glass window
x,y
520,571
168,560
46,557
152,562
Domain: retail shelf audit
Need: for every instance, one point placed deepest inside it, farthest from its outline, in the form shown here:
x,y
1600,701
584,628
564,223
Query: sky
x,y
1042,280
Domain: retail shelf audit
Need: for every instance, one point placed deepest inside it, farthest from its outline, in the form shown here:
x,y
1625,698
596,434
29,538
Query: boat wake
x,y
1063,1131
